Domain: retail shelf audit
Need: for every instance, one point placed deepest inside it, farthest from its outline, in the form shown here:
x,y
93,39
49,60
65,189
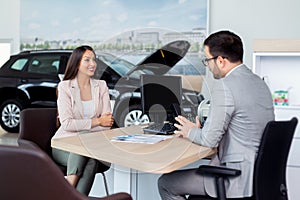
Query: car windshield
x,y
189,65
121,66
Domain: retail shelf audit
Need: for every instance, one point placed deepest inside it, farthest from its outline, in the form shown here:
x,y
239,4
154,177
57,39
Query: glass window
x,y
119,65
56,64
19,64
188,66
44,64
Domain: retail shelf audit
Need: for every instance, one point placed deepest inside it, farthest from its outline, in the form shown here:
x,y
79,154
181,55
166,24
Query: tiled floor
x,y
8,138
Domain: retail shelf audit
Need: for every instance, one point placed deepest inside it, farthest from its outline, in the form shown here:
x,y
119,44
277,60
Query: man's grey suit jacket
x,y
241,105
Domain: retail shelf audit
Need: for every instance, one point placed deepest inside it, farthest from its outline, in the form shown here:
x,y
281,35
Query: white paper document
x,y
141,138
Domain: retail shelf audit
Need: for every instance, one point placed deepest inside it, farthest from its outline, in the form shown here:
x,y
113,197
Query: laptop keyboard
x,y
160,128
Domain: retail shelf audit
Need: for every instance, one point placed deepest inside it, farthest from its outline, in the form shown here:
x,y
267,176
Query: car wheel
x,y
10,115
132,116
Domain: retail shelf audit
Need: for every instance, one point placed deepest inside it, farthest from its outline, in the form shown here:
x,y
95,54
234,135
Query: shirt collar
x,y
233,69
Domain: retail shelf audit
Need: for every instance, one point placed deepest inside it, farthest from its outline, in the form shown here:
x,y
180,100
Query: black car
x,y
30,78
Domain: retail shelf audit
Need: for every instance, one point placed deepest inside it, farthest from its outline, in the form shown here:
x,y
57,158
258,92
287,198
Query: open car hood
x,y
163,59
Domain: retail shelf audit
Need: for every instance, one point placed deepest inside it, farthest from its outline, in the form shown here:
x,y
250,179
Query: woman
x,y
83,106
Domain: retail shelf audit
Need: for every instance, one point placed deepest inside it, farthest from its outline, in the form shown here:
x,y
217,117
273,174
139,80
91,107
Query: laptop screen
x,y
160,94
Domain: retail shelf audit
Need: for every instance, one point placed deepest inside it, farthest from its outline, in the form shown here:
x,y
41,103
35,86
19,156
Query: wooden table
x,y
162,157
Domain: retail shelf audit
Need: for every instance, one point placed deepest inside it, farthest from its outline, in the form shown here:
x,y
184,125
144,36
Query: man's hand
x,y
185,125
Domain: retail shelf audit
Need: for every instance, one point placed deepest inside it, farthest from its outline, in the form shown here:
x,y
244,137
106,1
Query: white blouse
x,y
88,109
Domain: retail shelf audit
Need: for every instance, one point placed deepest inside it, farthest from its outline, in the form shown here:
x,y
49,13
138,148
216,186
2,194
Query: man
x,y
240,107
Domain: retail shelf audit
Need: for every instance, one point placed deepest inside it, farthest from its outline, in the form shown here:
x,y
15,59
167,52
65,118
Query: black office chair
x,y
38,125
27,173
269,181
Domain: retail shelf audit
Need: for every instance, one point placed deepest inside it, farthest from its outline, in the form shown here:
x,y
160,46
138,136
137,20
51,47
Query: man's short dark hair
x,y
225,44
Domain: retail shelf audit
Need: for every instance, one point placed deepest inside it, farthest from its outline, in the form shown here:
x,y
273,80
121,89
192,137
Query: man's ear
x,y
221,61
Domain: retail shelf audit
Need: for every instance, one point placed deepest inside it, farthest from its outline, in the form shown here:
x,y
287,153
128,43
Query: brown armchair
x,y
27,173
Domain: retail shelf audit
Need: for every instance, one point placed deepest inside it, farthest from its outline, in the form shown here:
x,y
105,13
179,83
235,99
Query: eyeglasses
x,y
205,61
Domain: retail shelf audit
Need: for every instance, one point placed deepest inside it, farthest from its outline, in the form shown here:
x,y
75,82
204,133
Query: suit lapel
x,y
95,90
77,105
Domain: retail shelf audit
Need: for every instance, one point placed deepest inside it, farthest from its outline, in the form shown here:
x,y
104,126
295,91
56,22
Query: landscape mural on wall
x,y
115,26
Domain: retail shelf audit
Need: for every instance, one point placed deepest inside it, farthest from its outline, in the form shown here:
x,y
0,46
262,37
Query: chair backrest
x,y
270,165
38,125
29,173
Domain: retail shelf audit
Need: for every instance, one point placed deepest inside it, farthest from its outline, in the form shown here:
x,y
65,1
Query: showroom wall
x,y
256,19
10,23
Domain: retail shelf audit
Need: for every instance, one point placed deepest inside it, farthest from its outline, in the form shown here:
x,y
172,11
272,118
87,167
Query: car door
x,y
40,81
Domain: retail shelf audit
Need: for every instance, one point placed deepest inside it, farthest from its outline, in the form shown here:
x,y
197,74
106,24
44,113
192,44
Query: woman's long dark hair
x,y
74,61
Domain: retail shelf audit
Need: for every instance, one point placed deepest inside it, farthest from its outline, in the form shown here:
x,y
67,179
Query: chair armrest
x,y
218,171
